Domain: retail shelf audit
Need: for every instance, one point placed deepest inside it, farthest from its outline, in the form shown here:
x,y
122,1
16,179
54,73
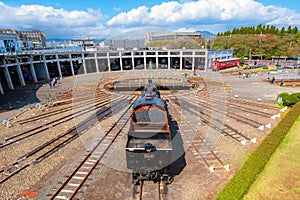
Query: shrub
x,y
286,99
292,99
281,98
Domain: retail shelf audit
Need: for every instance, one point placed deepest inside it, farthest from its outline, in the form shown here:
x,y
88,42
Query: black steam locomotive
x,y
148,148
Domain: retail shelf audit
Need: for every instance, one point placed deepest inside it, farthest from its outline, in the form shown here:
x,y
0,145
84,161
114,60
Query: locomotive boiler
x,y
148,148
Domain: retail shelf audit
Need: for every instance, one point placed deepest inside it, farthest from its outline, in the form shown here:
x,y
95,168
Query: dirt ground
x,y
192,180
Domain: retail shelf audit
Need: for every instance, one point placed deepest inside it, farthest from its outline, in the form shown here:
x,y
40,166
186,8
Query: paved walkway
x,y
16,101
255,88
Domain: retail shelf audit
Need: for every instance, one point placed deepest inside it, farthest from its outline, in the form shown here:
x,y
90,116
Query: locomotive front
x,y
148,148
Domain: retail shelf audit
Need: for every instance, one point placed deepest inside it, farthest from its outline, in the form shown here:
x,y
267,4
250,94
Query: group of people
x,y
244,75
281,81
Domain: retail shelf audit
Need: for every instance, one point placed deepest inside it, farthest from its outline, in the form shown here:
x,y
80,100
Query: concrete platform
x,y
255,88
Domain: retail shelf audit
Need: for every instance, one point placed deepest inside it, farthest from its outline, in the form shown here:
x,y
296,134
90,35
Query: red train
x,y
223,64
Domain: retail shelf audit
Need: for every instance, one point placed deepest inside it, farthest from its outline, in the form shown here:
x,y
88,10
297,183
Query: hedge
x,y
239,185
286,99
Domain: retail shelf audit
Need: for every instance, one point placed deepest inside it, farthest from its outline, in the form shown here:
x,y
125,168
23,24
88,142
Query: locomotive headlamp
x,y
148,147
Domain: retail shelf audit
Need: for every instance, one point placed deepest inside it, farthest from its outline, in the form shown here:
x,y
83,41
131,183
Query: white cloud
x,y
212,15
174,13
136,16
56,22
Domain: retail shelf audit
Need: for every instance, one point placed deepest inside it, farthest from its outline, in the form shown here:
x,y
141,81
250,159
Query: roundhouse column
x,y
121,63
83,63
46,67
19,71
193,61
108,61
71,65
169,60
156,57
206,60
58,66
180,60
1,89
96,62
7,76
32,70
132,59
145,60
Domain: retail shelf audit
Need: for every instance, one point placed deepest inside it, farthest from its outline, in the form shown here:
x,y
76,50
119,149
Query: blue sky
x,y
104,19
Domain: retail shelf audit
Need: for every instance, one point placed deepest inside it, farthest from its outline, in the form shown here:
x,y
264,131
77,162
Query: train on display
x,y
148,148
217,65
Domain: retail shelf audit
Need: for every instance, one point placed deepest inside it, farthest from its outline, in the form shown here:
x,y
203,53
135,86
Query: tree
x,y
282,31
234,31
259,29
275,41
289,30
268,29
295,30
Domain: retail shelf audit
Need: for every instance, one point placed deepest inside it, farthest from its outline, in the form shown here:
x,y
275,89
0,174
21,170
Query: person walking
x,y
281,82
273,80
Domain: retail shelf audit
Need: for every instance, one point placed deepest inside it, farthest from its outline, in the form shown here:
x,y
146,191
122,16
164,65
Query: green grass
x,y
281,177
238,187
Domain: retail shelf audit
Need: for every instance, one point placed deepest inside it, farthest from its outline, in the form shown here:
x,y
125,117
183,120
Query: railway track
x,y
216,124
41,128
45,150
256,104
69,188
247,115
64,107
62,102
241,105
191,135
232,114
147,190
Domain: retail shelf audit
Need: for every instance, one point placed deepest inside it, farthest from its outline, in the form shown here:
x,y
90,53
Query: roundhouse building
x,y
19,69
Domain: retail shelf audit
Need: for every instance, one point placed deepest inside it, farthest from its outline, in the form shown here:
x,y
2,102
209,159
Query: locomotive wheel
x,y
170,180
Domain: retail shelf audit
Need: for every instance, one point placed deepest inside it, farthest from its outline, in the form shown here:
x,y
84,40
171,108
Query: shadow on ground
x,y
178,153
19,97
